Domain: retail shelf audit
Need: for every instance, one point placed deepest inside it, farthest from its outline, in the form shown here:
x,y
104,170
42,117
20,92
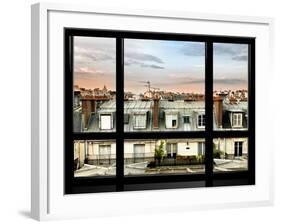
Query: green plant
x,y
159,153
216,153
200,158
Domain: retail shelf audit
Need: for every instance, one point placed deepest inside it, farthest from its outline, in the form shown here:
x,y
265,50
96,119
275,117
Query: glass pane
x,y
94,158
230,86
230,154
164,156
164,85
94,89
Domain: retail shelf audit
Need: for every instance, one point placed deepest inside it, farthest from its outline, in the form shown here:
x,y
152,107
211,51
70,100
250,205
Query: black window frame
x,y
126,183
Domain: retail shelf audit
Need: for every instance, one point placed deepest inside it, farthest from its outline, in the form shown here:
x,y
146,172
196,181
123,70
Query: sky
x,y
94,62
230,66
176,66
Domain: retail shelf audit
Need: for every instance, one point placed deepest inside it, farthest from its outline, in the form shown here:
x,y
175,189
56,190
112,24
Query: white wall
x,y
192,151
15,109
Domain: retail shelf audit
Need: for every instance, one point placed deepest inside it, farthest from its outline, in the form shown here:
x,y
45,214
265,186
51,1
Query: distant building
x,y
230,114
98,114
232,147
103,153
180,152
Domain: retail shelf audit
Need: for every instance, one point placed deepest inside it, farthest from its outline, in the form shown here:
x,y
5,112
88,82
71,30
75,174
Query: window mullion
x,y
120,113
251,113
209,112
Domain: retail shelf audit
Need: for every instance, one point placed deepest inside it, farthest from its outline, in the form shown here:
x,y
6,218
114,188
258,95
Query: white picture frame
x,y
47,198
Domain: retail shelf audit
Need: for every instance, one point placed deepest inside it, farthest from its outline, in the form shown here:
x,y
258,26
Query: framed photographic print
x,y
124,111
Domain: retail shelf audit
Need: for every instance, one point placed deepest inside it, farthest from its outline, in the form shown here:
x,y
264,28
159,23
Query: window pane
x,y
164,80
165,156
94,84
230,154
94,158
230,86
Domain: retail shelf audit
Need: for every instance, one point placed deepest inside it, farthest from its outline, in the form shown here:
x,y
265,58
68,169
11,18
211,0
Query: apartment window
x,y
238,148
104,151
140,121
130,102
186,119
201,121
126,118
171,120
201,148
237,119
105,122
172,150
139,152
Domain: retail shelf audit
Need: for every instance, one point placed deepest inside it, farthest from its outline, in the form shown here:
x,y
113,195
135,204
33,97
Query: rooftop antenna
x,y
148,85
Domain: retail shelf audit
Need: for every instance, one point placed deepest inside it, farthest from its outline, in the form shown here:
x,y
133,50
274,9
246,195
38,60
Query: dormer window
x,y
201,121
106,122
171,120
140,121
237,120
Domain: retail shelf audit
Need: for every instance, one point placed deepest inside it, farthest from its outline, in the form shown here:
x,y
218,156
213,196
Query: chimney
x,y
218,110
88,106
155,112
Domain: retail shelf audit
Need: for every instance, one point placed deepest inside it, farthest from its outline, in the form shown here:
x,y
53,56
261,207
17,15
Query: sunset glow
x,y
171,66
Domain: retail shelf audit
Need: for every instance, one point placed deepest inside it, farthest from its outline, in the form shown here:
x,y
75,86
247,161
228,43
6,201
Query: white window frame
x,y
139,155
201,148
103,127
237,120
105,155
137,125
173,147
200,120
169,123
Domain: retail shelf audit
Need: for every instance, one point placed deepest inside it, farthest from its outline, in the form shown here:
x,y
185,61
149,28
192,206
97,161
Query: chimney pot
x,y
218,110
155,112
88,106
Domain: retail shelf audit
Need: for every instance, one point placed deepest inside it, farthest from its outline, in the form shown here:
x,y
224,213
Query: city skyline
x,y
145,89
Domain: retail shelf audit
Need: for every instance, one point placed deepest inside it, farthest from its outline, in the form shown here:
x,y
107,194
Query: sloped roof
x,y
239,107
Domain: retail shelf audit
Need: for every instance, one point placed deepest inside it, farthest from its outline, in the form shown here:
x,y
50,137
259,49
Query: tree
x,y
159,152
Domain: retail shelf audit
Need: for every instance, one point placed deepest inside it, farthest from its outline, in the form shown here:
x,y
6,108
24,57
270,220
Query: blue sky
x,y
176,66
230,66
